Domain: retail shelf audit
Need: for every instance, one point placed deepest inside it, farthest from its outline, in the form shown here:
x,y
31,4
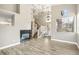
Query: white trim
x,y
64,41
77,45
9,45
67,42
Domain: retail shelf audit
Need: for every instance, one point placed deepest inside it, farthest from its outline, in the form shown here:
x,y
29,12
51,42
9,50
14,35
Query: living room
x,y
26,28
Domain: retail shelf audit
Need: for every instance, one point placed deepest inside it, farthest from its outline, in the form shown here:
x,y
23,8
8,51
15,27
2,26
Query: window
x,y
65,24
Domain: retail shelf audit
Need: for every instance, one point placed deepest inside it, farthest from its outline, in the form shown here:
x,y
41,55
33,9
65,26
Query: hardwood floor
x,y
43,46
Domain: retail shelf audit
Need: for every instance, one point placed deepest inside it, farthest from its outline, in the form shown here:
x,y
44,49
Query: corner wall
x,y
11,34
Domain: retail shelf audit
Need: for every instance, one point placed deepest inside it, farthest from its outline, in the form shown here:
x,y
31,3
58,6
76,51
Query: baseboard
x,y
9,45
64,41
77,45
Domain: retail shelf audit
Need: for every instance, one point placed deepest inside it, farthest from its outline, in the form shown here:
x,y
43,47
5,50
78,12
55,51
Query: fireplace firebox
x,y
25,35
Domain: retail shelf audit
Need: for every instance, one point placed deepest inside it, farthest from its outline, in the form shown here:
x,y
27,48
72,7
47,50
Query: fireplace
x,y
25,35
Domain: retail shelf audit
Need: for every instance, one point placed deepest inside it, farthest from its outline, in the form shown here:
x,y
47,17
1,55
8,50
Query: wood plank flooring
x,y
43,46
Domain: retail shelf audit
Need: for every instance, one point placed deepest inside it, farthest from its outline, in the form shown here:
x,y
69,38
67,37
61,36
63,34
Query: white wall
x,y
71,37
78,24
11,34
56,14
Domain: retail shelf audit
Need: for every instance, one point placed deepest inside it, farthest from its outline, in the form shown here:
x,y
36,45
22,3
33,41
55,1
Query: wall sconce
x,y
64,12
48,19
